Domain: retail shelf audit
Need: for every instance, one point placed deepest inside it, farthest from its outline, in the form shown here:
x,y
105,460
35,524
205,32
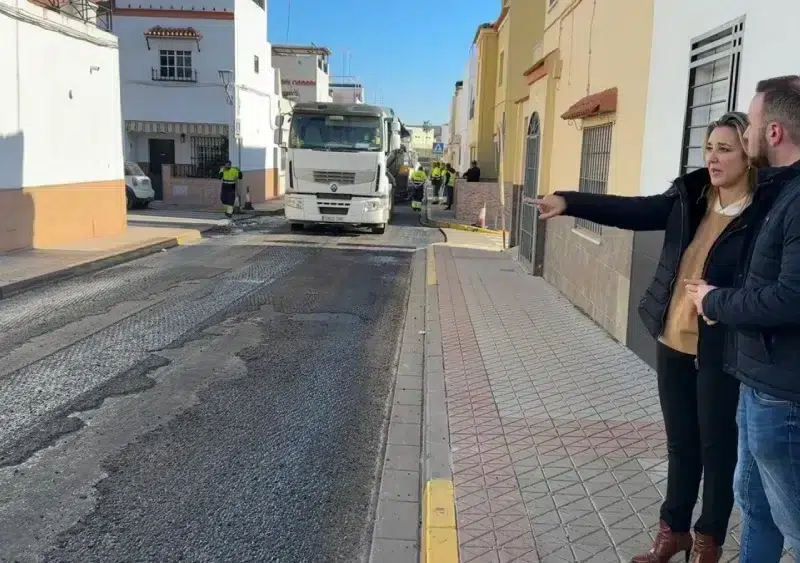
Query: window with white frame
x,y
713,85
595,163
176,65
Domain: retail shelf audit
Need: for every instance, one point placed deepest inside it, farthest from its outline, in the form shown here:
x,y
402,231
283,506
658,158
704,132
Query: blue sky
x,y
410,53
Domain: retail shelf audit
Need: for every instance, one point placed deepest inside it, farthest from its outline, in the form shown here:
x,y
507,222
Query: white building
x,y
305,72
465,110
198,88
346,90
61,162
706,59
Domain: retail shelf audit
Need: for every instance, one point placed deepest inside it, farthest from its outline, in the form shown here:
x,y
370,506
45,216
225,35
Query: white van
x,y
138,189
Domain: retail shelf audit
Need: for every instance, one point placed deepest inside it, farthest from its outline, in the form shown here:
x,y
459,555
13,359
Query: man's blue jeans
x,y
767,482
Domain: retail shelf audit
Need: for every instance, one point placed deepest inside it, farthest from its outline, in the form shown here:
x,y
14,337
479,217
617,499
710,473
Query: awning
x,y
207,129
593,104
160,32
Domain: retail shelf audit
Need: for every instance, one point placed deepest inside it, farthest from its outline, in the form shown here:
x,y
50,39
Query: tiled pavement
x,y
556,435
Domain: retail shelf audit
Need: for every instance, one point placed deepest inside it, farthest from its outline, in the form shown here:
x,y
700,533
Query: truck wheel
x,y
379,230
296,226
130,200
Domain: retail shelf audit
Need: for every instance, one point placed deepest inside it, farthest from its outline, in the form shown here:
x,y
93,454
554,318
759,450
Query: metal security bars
x,y
713,85
175,66
595,162
208,154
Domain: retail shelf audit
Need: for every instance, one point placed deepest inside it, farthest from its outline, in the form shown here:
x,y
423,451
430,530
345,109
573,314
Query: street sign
x,y
438,148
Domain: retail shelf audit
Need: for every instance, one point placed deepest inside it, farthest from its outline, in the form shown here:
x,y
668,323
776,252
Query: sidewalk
x,y
557,443
24,269
438,216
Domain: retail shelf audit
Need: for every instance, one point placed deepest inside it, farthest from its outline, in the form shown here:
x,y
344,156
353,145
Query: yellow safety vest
x,y
451,181
419,176
230,175
436,173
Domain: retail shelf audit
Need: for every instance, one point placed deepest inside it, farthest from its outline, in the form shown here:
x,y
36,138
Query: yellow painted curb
x,y
439,535
462,227
431,267
189,238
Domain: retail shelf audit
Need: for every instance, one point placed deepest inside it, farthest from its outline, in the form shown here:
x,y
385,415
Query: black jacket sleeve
x,y
773,305
641,213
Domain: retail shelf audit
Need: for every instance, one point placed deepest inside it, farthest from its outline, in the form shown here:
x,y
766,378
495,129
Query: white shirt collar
x,y
734,208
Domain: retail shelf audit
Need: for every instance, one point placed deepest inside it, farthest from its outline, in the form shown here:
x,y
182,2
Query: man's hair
x,y
782,103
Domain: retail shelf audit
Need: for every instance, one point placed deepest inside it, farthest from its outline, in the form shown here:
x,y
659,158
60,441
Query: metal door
x,y
162,151
529,216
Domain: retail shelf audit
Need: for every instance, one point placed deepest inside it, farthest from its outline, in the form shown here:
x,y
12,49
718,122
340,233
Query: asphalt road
x,y
219,402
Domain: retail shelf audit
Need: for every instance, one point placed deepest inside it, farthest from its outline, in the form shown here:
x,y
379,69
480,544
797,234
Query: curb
x,y
439,537
457,226
96,265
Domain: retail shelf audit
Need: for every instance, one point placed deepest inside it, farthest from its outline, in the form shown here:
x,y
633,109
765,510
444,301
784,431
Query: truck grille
x,y
334,177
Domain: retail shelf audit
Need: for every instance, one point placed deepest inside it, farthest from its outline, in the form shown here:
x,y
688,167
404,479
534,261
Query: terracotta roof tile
x,y
593,104
173,32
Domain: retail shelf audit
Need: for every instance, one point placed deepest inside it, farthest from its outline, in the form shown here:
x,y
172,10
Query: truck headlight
x,y
374,205
293,202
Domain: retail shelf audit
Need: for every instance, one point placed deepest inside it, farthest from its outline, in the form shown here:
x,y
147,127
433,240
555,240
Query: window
x,y
255,64
209,154
500,69
595,161
175,66
713,84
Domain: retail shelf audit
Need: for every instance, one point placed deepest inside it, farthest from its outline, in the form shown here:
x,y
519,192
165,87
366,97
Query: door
x,y
162,151
529,216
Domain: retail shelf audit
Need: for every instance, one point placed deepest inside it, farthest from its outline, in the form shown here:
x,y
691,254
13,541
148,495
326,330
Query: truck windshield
x,y
336,133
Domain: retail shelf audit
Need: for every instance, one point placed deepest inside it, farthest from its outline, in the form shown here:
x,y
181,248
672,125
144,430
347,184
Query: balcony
x,y
163,74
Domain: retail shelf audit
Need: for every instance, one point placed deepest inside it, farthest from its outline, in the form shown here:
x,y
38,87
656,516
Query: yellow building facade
x,y
481,124
580,127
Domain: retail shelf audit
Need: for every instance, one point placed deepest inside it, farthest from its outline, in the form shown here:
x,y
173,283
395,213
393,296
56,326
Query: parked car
x,y
138,188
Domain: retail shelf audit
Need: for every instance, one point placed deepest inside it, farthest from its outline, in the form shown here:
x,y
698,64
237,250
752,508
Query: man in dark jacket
x,y
765,314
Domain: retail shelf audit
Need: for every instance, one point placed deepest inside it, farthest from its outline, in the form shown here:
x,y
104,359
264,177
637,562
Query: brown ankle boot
x,y
705,550
666,545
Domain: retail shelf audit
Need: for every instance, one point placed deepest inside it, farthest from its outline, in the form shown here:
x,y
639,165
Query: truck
x,y
342,164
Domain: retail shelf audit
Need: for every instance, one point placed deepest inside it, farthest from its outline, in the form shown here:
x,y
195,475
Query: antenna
x,y
288,18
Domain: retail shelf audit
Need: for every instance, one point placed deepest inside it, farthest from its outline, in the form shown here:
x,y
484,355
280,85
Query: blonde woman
x,y
708,217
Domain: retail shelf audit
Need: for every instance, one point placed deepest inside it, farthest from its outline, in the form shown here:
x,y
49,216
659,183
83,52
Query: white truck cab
x,y
341,159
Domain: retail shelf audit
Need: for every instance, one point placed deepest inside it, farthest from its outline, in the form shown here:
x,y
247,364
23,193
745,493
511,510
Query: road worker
x,y
419,178
436,179
229,176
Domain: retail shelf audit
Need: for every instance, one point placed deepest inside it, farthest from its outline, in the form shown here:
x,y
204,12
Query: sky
x,y
407,54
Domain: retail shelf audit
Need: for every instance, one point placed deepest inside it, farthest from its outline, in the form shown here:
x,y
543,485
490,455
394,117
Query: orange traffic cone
x,y
248,205
482,218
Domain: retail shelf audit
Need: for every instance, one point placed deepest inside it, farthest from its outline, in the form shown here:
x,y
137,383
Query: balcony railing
x,y
190,75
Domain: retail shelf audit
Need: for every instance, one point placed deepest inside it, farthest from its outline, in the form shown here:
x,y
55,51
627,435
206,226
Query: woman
x,y
708,217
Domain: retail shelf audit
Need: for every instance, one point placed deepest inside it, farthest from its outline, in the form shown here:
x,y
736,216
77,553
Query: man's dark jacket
x,y
678,213
766,311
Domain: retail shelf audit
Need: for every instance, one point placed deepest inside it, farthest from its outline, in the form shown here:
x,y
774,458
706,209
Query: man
x,y
436,180
765,313
229,176
419,178
474,173
451,185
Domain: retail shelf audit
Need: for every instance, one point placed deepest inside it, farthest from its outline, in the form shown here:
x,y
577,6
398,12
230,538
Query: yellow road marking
x,y
431,266
439,535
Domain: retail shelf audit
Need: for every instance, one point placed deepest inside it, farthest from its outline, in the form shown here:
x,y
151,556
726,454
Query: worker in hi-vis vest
x,y
451,185
227,195
436,179
419,178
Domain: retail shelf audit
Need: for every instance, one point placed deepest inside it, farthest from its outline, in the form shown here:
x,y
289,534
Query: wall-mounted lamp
x,y
183,137
93,69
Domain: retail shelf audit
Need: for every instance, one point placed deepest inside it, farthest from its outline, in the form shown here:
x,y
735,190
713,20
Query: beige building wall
x,y
585,54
